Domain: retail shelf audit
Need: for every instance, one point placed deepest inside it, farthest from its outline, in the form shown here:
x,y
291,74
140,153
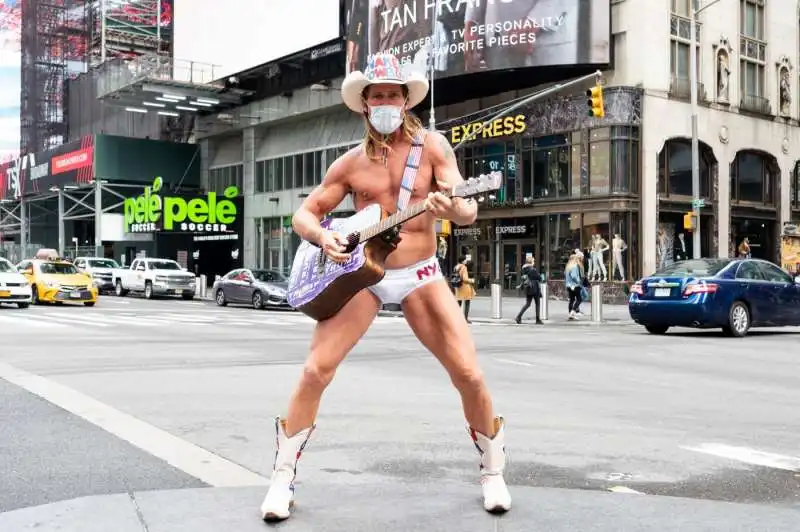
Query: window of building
x,y
754,178
599,161
226,176
675,169
794,186
753,53
301,170
680,45
545,172
624,164
502,157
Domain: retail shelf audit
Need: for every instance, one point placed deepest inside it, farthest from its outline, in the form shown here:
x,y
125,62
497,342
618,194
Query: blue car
x,y
734,294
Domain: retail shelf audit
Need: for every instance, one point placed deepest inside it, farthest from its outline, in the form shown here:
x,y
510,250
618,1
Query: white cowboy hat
x,y
382,68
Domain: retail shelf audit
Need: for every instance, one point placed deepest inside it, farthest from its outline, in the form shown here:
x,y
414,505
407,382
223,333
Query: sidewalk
x,y
481,312
396,506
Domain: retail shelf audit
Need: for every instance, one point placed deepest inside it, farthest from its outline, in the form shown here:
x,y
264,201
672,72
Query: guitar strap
x,y
410,172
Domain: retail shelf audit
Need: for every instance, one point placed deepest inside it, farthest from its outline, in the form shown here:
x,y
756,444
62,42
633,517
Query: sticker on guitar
x,y
313,274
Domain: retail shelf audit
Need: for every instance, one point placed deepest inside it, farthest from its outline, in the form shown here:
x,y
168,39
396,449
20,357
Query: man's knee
x,y
316,377
468,379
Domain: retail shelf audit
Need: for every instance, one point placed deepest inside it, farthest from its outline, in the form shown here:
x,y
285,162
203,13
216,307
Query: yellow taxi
x,y
55,280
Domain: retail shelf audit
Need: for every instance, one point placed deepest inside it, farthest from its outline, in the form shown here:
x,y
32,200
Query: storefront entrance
x,y
761,234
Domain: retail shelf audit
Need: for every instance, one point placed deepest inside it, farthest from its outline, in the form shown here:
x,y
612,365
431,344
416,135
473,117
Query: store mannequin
x,y
599,247
590,252
618,245
680,248
442,249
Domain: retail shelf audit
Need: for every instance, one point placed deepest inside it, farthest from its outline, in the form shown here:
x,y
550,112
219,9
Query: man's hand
x,y
442,206
334,244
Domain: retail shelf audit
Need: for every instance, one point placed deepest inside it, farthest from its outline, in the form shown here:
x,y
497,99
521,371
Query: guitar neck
x,y
394,220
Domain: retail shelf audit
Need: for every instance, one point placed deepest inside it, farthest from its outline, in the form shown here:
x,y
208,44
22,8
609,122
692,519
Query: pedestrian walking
x,y
465,291
531,279
573,279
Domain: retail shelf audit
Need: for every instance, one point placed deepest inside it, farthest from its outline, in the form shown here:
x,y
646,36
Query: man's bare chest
x,y
374,182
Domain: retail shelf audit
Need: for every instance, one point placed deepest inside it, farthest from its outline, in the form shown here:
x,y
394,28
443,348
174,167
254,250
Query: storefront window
x,y
578,178
754,177
563,238
675,169
502,157
624,160
599,161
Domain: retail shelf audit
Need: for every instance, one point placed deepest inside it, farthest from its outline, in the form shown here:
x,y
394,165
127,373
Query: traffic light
x,y
689,221
595,102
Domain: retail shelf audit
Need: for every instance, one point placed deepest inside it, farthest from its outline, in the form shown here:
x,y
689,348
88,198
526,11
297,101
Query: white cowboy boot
x,y
280,497
496,498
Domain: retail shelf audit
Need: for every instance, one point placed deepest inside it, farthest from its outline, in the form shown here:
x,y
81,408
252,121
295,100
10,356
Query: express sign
x,y
152,211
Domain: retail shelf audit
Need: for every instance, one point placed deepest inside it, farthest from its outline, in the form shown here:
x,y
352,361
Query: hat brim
x,y
355,83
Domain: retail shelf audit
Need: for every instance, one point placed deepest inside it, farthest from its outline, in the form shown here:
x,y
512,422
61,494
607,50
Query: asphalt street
x,y
158,415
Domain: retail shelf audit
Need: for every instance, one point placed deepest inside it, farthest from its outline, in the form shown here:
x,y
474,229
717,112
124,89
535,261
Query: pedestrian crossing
x,y
179,317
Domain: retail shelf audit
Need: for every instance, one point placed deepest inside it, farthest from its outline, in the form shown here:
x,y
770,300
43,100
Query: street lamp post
x,y
696,204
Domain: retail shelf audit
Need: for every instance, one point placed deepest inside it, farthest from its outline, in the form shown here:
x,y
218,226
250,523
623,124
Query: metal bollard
x,y
197,285
544,302
203,286
597,303
497,300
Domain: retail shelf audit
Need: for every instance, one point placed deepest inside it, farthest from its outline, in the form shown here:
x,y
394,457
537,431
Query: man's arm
x,y
447,175
322,200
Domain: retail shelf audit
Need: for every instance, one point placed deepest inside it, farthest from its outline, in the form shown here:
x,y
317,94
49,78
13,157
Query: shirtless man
x,y
373,173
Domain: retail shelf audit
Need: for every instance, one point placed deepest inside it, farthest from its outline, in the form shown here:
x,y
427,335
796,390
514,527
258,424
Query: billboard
x,y
479,35
246,33
34,173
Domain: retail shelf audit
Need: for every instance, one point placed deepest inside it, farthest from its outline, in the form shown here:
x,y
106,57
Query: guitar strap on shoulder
x,y
410,172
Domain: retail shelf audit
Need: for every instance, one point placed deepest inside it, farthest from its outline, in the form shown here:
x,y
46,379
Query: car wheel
x,y
738,320
657,329
258,301
220,298
35,295
88,304
118,290
187,296
148,290
23,305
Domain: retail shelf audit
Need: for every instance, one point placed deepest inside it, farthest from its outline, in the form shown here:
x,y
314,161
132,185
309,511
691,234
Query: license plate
x,y
176,291
75,295
5,293
663,292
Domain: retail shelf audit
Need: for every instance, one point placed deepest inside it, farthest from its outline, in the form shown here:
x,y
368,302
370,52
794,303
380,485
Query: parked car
x,y
155,277
100,269
259,288
14,288
734,294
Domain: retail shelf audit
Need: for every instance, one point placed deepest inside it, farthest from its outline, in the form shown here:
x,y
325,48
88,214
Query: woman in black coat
x,y
533,291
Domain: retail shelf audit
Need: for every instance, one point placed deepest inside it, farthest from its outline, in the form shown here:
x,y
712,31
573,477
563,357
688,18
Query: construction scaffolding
x,y
61,39
43,71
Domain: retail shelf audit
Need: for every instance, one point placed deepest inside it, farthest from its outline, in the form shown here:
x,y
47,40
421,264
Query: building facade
x,y
620,184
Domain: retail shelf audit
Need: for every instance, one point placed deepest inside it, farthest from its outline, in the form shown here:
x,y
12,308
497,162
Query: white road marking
x,y
624,489
31,322
749,456
189,458
514,362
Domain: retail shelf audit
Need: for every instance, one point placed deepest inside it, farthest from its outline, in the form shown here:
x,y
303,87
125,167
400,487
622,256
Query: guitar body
x,y
318,287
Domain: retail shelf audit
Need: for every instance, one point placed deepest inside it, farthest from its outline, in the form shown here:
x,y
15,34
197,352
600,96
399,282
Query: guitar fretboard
x,y
395,219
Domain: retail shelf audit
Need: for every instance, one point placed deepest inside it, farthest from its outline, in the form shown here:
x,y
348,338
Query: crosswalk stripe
x,y
28,322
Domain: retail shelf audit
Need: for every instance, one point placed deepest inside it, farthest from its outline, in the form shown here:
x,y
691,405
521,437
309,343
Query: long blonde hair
x,y
376,143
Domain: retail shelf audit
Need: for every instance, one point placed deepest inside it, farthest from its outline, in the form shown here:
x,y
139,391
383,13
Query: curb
x,y
509,321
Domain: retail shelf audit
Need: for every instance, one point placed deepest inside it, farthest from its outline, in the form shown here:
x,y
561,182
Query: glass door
x,y
483,279
511,266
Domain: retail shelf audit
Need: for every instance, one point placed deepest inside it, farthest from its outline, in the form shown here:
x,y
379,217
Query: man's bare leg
x,y
332,340
434,316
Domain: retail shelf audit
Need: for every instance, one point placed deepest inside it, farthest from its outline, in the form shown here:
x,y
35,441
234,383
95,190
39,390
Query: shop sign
x,y
511,230
467,232
152,211
499,127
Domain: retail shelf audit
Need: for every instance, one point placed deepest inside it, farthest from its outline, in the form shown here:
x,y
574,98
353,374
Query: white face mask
x,y
385,118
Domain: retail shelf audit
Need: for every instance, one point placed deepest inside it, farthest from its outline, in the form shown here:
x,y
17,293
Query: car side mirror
x,y
797,280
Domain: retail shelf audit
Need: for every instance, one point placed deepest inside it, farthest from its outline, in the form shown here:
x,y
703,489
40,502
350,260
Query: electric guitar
x,y
319,287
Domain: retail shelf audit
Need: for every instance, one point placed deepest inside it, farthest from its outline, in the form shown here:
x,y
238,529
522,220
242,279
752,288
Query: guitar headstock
x,y
477,186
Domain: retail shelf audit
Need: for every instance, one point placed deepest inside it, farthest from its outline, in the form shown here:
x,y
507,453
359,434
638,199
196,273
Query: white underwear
x,y
397,284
